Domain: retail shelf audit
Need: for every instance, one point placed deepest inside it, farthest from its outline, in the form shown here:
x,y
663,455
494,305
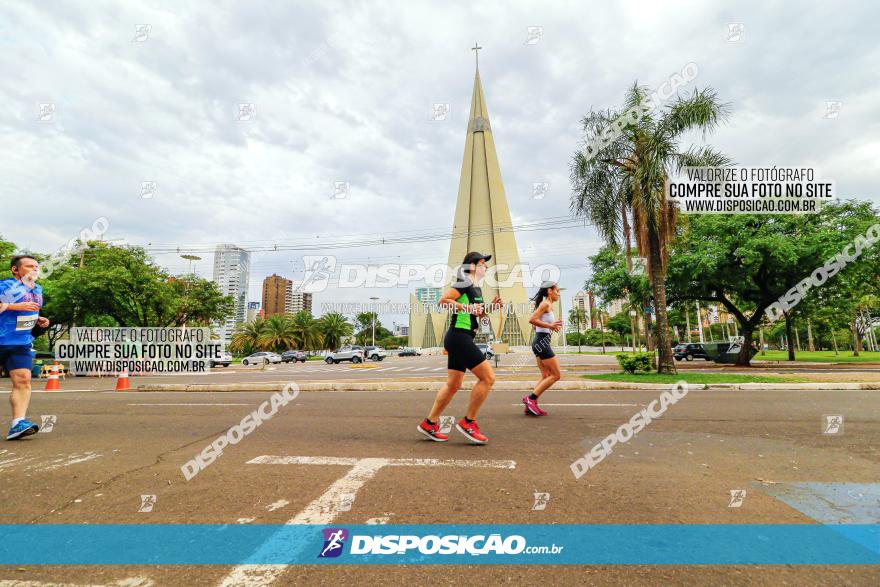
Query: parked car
x,y
375,353
223,360
689,352
409,352
355,355
261,357
294,356
487,349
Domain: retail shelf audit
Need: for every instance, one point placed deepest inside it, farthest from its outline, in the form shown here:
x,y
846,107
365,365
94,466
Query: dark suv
x,y
293,356
689,352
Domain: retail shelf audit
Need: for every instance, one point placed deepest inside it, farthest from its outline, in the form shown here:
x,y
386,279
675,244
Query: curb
x,y
502,386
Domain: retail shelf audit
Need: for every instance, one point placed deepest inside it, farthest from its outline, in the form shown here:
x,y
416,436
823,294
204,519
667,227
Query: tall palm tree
x,y
307,331
278,334
629,173
246,336
334,327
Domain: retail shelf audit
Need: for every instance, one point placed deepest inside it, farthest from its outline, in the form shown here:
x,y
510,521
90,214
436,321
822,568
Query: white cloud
x,y
343,92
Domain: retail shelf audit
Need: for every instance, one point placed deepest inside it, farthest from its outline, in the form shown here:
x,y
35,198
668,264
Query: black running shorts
x,y
541,346
463,352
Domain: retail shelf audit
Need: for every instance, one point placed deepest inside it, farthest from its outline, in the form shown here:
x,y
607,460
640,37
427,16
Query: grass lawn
x,y
820,356
694,378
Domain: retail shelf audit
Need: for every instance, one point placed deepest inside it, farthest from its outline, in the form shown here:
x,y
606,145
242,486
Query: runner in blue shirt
x,y
20,302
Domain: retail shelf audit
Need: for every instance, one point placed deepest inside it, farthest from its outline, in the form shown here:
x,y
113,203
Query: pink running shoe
x,y
532,408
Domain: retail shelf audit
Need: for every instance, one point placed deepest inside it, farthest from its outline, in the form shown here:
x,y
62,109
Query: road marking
x,y
592,405
72,459
60,460
327,507
188,404
277,505
350,462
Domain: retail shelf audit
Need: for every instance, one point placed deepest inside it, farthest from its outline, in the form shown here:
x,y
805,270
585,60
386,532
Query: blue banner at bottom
x,y
637,544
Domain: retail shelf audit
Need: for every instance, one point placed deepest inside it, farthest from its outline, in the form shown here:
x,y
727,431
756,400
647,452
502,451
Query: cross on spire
x,y
476,49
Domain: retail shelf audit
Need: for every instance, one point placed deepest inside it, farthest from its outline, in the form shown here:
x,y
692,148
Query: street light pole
x,y
192,270
562,315
374,319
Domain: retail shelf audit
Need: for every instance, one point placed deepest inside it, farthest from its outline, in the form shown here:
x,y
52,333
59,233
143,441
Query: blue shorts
x,y
16,356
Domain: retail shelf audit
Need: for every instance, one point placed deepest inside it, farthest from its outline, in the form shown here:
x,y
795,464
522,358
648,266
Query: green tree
x,y
247,337
124,284
747,262
334,327
629,173
307,331
196,302
278,334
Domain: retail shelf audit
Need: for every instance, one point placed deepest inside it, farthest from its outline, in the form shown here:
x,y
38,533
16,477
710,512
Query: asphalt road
x,y
106,450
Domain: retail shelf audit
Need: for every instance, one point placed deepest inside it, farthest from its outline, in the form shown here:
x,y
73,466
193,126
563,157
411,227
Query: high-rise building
x,y
585,301
276,294
232,266
283,296
299,300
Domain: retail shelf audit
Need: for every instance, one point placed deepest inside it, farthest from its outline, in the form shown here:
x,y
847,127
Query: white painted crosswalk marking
x,y
326,508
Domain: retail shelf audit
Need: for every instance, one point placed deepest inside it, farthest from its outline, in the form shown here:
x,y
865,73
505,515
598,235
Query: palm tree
x,y
307,331
334,327
627,176
278,334
246,336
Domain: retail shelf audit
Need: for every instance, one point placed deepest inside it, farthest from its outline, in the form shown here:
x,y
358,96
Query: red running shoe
x,y
432,431
532,408
472,431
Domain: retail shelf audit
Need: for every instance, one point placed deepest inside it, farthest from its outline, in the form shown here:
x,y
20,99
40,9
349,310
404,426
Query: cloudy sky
x,y
344,92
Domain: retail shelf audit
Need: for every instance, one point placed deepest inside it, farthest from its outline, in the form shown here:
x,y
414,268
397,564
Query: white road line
x,y
420,368
437,369
71,460
277,505
593,405
350,462
325,508
130,582
188,404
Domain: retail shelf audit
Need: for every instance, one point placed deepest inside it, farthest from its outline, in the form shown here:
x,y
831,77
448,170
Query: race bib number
x,y
485,325
26,322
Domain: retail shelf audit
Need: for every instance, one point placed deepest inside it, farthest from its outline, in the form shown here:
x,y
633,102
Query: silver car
x,y
260,358
345,354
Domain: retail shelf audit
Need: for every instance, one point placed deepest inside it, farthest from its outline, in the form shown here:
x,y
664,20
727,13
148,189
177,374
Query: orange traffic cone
x,y
53,383
122,382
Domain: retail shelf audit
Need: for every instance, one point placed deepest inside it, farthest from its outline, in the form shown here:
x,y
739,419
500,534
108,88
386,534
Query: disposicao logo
x,y
334,541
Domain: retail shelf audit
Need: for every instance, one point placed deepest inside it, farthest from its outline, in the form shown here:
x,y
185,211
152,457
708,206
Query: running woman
x,y
20,302
465,298
545,323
